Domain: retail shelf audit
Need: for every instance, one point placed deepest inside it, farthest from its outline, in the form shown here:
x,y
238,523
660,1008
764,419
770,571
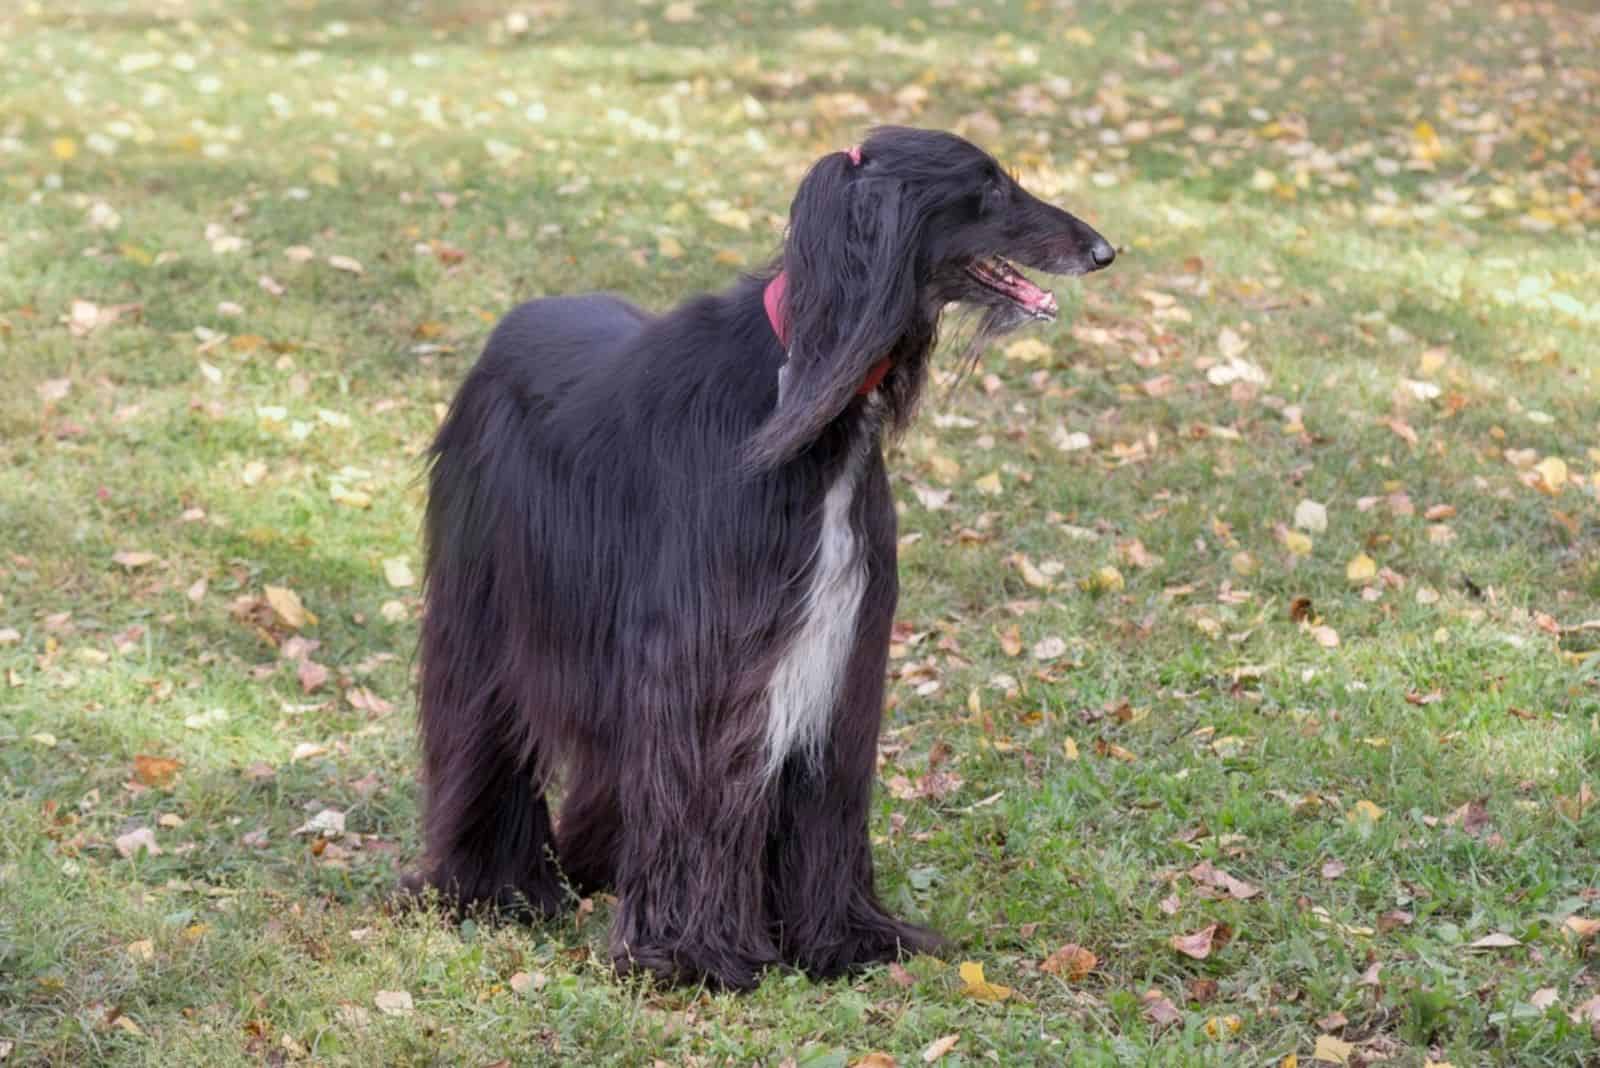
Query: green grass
x,y
1392,207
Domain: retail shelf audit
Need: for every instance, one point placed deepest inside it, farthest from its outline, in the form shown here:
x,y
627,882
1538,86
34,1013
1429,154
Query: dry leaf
x,y
154,770
1543,998
939,1047
1220,1027
1311,515
345,263
393,1002
975,986
1198,944
143,949
1361,568
129,844
288,607
132,560
1071,962
1332,1050
397,572
875,1060
1581,927
1159,1009
1496,940
1364,810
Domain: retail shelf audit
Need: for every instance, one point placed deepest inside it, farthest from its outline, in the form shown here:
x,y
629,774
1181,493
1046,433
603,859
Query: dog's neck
x,y
773,299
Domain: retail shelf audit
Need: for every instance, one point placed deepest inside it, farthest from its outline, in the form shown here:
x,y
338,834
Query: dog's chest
x,y
805,686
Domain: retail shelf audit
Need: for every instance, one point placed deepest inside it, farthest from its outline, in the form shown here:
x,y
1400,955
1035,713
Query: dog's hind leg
x,y
819,858
487,827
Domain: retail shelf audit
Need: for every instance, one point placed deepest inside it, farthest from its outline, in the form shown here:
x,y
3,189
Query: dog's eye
x,y
993,195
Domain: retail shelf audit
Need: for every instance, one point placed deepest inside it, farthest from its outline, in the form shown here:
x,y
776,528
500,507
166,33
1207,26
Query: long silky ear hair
x,y
850,256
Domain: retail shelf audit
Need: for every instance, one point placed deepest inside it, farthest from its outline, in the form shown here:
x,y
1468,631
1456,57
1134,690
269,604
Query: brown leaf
x,y
899,976
1207,874
1471,817
1199,944
1394,918
1201,991
1581,927
312,676
1159,1010
1071,962
130,844
875,1060
133,559
364,700
154,770
1300,610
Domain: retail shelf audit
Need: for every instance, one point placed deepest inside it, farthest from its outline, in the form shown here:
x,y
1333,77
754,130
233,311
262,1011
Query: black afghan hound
x,y
661,566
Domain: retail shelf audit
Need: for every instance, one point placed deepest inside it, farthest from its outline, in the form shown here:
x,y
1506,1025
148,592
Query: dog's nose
x,y
1102,253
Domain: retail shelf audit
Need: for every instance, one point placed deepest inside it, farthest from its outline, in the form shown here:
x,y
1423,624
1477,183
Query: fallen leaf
x,y
1496,940
1581,927
393,1002
397,572
1199,943
288,607
1332,1050
1011,641
1208,874
1049,649
1159,1009
1220,1027
939,1047
327,823
1069,748
1543,998
875,1060
128,845
52,390
1311,515
1071,962
1552,474
1388,921
1364,811
975,986
1361,568
312,676
1332,869
346,263
155,771
144,949
132,560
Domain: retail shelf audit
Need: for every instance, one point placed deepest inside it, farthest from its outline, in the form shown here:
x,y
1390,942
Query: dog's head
x,y
883,237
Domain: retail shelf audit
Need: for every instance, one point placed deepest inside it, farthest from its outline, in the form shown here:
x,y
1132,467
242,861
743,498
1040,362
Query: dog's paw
x,y
692,965
876,939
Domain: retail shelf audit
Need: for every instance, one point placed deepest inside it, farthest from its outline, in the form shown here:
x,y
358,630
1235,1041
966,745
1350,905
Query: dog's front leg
x,y
693,828
819,869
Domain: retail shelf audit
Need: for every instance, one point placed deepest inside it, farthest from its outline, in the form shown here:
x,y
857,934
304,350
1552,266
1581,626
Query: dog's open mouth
x,y
996,274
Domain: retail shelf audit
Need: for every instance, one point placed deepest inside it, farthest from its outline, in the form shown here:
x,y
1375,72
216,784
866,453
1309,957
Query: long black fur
x,y
621,525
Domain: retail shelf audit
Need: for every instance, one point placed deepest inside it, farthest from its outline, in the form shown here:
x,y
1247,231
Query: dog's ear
x,y
850,257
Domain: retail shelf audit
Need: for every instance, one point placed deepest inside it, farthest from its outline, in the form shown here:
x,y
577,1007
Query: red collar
x,y
773,299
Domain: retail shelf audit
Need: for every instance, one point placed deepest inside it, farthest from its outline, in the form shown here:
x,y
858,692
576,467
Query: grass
x,y
1388,211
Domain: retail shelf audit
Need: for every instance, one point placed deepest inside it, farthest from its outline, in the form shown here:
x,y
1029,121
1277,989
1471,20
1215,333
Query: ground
x,y
1244,704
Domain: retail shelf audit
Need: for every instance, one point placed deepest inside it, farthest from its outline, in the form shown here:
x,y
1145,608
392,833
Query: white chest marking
x,y
802,691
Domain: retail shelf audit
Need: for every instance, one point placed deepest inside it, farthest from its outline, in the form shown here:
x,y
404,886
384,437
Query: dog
x,y
660,568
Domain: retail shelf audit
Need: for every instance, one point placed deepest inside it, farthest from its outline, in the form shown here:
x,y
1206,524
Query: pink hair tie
x,y
854,152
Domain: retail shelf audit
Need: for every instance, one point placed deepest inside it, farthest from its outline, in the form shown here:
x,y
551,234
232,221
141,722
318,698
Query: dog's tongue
x,y
1014,284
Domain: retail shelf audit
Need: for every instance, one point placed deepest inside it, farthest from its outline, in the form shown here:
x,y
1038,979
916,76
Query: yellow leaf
x,y
286,603
1361,568
63,148
669,247
1077,35
1297,543
1290,1061
397,572
989,484
1104,580
1332,1050
1552,474
944,468
1011,639
325,174
1027,350
1364,810
143,949
875,1060
1220,1027
1070,748
979,988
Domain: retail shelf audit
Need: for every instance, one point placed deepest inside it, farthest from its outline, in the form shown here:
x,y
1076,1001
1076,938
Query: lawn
x,y
1246,694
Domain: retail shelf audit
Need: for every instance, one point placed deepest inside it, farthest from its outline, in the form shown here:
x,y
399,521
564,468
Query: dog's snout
x,y
1102,253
